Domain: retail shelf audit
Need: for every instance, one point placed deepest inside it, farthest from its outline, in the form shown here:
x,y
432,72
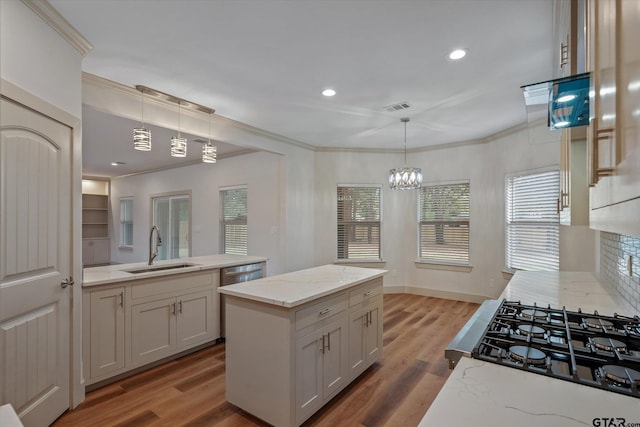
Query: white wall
x,y
485,165
37,59
260,172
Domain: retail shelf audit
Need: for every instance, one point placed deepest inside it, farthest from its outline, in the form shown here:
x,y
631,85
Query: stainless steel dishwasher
x,y
237,274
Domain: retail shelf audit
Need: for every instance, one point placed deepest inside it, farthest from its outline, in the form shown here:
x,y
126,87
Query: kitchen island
x,y
295,340
136,315
483,393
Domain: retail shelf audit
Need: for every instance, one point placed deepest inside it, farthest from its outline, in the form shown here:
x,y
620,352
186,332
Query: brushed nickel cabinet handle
x,y
180,306
325,311
122,299
329,341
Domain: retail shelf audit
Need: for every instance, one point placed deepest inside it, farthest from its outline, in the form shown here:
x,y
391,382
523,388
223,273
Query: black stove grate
x,y
594,350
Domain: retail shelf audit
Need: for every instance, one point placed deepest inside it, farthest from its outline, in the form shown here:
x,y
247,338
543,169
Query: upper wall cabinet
x,y
613,138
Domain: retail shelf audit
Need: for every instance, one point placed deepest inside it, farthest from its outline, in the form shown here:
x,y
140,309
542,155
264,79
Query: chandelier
x,y
405,177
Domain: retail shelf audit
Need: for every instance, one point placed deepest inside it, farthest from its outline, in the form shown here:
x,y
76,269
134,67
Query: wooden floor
x,y
397,391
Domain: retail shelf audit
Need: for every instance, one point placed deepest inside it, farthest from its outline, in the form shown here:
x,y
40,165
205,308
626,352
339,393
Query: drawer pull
x,y
366,294
325,311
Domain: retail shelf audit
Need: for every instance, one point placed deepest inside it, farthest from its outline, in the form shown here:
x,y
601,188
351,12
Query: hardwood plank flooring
x,y
396,391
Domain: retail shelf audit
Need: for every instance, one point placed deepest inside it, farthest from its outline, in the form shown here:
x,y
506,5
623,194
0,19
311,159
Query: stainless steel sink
x,y
151,268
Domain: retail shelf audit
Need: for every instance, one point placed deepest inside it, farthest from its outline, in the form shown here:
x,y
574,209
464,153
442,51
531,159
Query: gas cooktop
x,y
590,349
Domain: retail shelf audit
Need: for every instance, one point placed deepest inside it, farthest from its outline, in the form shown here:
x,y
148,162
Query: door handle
x,y
67,282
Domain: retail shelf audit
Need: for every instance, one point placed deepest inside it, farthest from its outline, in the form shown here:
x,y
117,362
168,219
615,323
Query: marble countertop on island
x,y
481,393
93,276
298,287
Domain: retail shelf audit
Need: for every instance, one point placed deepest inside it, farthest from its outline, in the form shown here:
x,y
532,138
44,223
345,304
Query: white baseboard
x,y
415,290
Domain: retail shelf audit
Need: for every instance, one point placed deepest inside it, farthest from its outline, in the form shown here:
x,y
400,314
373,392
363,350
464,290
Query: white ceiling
x,y
265,62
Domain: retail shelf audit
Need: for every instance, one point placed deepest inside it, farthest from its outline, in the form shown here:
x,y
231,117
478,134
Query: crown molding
x,y
94,80
51,16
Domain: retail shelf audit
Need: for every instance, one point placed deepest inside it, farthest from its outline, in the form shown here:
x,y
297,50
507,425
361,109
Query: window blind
x,y
359,219
444,223
234,221
533,222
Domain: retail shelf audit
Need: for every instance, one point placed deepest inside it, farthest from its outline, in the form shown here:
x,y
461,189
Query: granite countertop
x,y
93,276
296,288
481,393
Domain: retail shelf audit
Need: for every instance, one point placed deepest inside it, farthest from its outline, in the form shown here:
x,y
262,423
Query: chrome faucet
x,y
153,255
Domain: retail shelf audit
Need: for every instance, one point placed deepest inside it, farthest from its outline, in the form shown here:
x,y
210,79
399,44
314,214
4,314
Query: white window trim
x,y
120,244
222,189
508,272
465,267
362,260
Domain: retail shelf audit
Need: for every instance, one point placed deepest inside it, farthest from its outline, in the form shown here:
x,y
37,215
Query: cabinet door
x,y
107,331
373,331
335,356
309,386
195,318
153,330
357,335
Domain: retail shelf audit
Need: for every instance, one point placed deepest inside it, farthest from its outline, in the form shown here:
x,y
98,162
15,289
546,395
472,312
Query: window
x,y
359,213
172,216
126,222
533,221
444,223
234,221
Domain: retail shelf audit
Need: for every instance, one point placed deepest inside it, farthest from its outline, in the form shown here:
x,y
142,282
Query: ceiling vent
x,y
397,107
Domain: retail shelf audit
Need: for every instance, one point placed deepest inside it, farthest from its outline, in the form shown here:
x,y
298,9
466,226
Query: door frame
x,y
29,100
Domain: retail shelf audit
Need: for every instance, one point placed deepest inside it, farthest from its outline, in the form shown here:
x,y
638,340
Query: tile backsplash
x,y
615,250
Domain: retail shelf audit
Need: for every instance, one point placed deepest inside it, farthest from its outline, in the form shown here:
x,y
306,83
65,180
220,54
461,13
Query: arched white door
x,y
35,263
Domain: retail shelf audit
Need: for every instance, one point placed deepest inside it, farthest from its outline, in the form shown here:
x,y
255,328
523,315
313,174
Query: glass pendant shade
x,y
209,153
405,178
179,146
142,139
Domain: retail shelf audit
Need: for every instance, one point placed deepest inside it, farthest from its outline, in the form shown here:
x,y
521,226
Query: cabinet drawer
x,y
320,311
365,291
157,286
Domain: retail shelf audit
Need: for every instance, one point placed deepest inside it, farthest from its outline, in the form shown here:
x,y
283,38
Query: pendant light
x,y
142,135
405,178
178,143
209,151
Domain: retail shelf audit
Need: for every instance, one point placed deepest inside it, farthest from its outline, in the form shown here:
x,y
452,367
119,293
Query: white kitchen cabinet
x,y
365,331
153,330
159,328
107,331
194,318
146,320
614,137
284,363
321,365
96,251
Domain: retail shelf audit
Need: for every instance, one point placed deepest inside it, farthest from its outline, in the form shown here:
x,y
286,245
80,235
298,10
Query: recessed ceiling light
x,y
567,98
117,163
457,54
328,92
